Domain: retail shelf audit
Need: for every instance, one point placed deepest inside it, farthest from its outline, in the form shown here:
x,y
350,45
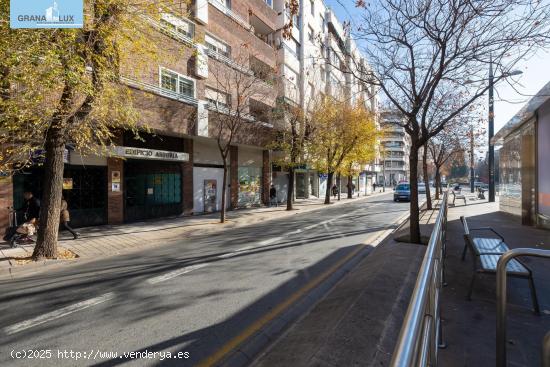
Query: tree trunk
x,y
46,244
339,181
224,191
426,177
414,209
349,187
328,191
437,183
290,189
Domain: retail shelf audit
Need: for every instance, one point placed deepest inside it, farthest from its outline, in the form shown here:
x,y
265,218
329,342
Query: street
x,y
195,297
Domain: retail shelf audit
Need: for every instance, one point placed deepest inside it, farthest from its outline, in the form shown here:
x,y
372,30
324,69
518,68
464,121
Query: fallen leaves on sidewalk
x,y
62,254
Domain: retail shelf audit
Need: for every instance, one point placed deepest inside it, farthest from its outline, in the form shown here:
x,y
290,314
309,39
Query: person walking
x,y
373,187
273,196
334,190
352,189
65,218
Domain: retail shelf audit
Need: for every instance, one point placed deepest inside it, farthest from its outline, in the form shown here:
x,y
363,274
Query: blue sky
x,y
536,73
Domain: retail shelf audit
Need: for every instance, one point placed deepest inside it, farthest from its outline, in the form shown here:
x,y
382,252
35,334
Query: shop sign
x,y
143,153
115,177
115,187
67,183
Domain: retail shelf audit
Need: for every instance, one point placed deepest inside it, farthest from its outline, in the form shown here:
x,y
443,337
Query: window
x,y
179,25
312,7
226,3
217,98
177,83
269,3
217,46
310,34
322,23
293,46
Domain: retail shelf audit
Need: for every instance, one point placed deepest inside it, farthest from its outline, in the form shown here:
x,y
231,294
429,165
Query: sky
x,y
536,73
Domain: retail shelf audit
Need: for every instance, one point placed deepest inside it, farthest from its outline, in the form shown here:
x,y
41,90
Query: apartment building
x,y
395,149
313,62
176,167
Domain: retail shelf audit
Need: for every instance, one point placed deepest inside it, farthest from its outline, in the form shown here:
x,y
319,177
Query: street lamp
x,y
492,129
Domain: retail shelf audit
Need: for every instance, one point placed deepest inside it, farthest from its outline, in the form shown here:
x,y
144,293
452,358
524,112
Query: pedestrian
x,y
334,190
65,218
273,196
374,187
353,189
31,214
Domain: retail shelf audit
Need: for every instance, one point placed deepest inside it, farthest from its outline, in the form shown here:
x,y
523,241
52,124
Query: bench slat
x,y
489,263
484,245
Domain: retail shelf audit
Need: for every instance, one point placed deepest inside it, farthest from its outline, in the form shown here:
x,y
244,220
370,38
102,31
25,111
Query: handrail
x,y
420,335
501,295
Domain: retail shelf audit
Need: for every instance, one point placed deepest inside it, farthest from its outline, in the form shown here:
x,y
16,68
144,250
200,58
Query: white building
x,y
395,149
311,63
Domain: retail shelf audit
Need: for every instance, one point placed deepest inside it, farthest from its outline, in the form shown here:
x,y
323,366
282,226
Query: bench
x,y
487,251
457,194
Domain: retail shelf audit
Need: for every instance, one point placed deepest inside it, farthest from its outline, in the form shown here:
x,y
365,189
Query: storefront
x,y
524,171
307,183
207,177
250,177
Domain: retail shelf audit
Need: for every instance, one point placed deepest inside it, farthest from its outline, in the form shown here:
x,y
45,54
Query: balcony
x,y
231,14
262,15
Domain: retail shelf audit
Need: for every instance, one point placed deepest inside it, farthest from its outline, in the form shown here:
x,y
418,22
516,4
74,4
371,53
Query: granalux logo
x,y
46,13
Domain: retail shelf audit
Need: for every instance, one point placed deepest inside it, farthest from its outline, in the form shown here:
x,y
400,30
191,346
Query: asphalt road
x,y
191,297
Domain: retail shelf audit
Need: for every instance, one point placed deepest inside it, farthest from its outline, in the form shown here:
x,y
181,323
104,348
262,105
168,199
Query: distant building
x,y
394,150
523,168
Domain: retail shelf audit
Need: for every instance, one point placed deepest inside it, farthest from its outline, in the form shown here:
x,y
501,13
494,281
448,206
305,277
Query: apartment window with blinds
x,y
217,46
310,34
179,25
177,83
312,7
217,98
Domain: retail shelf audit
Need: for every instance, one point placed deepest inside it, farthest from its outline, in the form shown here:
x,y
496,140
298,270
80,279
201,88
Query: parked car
x,y
421,188
402,192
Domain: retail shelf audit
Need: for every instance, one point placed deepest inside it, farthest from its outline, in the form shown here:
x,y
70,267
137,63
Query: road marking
x,y
175,273
236,252
374,239
269,241
57,313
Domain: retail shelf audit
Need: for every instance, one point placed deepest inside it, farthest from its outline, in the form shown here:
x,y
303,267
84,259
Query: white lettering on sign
x,y
141,153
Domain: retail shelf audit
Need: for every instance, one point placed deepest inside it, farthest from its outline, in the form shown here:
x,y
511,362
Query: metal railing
x,y
501,300
158,90
421,335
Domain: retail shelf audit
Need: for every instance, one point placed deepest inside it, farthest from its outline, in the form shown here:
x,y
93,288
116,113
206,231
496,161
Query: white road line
x,y
175,273
236,252
20,326
269,241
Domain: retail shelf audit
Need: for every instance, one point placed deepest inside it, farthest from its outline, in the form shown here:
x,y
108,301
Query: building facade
x,y
524,173
394,150
313,62
175,167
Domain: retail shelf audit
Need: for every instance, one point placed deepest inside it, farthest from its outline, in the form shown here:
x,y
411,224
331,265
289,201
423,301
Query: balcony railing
x,y
158,90
230,13
226,60
227,111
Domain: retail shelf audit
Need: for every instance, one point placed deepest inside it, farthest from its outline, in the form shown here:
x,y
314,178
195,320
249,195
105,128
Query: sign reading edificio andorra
x,y
143,153
46,13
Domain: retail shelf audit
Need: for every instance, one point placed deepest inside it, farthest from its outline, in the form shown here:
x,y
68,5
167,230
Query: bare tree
x,y
425,51
239,97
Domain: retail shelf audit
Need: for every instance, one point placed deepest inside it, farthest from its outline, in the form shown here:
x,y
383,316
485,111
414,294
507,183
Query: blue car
x,y
402,192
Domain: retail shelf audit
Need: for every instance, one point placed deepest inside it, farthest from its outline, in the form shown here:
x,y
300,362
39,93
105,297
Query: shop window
x,y
250,186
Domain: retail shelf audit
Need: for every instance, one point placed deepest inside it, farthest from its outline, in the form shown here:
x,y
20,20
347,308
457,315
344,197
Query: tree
x,y
340,131
63,86
236,90
292,141
424,51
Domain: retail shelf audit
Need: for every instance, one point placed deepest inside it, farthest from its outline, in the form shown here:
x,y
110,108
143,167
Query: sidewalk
x,y
109,240
358,321
469,327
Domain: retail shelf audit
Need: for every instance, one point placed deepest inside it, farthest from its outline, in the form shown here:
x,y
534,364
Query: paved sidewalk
x,y
358,321
469,327
109,240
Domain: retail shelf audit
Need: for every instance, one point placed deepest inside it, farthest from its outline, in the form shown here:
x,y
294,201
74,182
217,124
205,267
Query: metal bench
x,y
486,253
458,195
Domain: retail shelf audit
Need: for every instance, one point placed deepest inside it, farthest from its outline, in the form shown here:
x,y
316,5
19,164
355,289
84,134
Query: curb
x,y
250,349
